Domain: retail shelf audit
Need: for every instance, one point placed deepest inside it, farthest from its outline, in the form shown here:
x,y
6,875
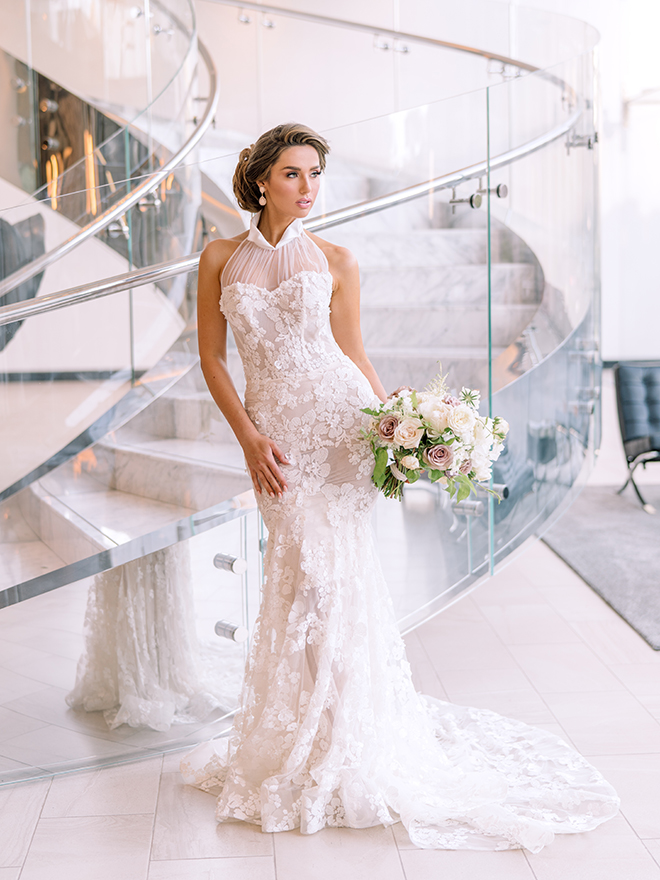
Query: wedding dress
x,y
331,730
142,662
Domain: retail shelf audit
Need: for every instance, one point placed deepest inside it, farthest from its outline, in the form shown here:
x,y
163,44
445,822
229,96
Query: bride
x,y
330,729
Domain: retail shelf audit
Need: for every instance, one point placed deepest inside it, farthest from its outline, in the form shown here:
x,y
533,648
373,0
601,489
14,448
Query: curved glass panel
x,y
547,382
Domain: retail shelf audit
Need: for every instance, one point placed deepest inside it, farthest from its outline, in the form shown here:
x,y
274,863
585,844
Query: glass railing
x,y
503,296
106,156
138,61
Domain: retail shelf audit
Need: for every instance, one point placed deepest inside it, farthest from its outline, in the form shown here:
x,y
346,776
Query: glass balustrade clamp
x,y
581,140
235,632
501,191
474,201
468,507
227,562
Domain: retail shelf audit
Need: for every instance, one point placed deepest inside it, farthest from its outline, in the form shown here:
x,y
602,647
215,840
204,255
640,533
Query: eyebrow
x,y
296,168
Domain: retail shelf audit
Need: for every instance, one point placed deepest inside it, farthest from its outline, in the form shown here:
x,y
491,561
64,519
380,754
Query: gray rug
x,y
615,547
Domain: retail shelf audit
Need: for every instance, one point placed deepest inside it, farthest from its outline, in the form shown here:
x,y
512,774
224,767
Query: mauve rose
x,y
450,400
466,467
439,458
387,426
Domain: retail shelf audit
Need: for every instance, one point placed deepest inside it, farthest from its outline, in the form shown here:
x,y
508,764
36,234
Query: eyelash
x,y
295,174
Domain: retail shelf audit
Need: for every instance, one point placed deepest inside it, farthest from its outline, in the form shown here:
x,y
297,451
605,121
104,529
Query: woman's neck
x,y
273,227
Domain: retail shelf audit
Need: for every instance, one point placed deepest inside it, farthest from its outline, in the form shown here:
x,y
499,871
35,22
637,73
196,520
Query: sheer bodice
x,y
331,730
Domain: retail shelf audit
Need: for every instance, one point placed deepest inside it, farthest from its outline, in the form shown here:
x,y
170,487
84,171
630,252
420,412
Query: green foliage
x,y
380,468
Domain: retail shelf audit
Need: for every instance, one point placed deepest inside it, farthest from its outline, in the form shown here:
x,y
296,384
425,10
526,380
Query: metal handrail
x,y
161,271
374,29
41,263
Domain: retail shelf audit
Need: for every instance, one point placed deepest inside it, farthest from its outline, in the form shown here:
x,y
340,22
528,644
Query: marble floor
x,y
534,643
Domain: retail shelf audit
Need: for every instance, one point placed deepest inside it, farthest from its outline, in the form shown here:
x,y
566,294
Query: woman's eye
x,y
292,174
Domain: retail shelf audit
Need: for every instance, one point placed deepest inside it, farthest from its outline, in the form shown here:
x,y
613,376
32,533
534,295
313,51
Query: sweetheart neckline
x,y
281,284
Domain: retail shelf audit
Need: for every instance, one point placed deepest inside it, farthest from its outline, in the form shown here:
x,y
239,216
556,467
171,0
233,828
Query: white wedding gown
x,y
331,730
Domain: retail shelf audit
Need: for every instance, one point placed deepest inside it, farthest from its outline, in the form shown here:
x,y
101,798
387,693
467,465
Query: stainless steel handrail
x,y
374,29
41,263
152,274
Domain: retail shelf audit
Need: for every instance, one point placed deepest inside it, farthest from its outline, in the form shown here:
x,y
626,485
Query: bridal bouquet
x,y
432,431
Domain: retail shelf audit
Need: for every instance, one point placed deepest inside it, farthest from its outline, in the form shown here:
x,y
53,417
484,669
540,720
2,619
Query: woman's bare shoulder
x,y
340,259
217,252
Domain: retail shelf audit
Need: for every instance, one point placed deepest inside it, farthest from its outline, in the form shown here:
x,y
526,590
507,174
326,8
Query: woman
x,y
330,729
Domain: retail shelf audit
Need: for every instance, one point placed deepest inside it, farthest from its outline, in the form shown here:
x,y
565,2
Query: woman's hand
x,y
263,458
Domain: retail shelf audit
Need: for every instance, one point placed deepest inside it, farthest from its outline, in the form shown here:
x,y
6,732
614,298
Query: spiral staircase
x,y
472,217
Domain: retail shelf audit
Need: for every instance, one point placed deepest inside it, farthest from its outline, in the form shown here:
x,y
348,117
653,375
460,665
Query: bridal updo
x,y
255,162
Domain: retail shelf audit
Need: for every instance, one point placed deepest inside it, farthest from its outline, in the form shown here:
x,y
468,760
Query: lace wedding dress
x,y
142,662
331,730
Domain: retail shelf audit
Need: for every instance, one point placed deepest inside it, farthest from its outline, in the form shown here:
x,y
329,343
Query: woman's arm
x,y
345,313
261,453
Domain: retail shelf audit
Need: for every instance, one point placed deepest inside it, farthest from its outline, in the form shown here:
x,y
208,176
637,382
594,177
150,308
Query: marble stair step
x,y
187,411
452,325
82,520
418,366
415,247
188,415
125,488
511,283
192,473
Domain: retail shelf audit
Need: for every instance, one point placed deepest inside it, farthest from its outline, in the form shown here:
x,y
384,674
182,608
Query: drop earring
x,y
262,200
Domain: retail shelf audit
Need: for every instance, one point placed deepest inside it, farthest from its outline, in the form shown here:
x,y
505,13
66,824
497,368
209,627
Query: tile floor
x,y
586,676
534,643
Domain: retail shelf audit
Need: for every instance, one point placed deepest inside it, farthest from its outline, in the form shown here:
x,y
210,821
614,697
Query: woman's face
x,y
294,181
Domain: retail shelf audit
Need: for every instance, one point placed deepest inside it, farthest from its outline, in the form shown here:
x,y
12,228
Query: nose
x,y
305,185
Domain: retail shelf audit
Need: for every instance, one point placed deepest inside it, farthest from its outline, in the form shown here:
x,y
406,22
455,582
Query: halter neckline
x,y
294,230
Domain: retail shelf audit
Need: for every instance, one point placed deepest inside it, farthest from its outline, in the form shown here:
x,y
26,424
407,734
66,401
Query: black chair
x,y
638,403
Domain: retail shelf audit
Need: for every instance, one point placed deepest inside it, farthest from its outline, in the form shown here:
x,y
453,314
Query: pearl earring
x,y
262,200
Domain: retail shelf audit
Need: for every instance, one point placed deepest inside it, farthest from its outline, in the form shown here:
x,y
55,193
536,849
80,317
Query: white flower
x,y
482,465
462,420
410,462
482,431
470,397
501,426
406,403
436,413
408,433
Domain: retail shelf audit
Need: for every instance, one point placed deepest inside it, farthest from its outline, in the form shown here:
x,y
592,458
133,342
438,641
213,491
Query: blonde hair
x,y
256,161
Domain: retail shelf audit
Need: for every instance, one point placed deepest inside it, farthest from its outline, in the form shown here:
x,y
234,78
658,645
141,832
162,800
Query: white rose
x,y
436,413
408,433
410,462
462,420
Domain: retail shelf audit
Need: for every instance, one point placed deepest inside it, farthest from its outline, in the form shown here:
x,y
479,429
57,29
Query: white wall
x,y
630,184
